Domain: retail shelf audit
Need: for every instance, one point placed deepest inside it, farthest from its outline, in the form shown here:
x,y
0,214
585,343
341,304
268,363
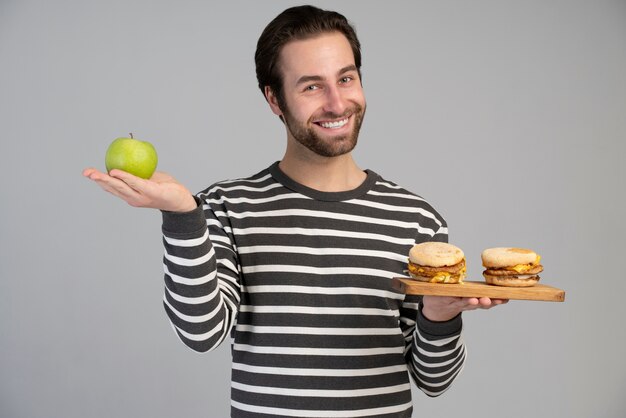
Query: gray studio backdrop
x,y
509,116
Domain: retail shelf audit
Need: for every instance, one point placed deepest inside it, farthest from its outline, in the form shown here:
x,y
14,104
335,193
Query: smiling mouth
x,y
333,124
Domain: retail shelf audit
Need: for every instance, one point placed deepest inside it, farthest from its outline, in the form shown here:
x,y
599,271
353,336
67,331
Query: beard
x,y
330,146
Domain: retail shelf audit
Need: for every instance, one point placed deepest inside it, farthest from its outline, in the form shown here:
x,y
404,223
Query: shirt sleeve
x,y
202,284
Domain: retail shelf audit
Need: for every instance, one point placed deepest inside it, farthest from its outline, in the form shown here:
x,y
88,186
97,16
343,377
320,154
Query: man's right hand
x,y
161,191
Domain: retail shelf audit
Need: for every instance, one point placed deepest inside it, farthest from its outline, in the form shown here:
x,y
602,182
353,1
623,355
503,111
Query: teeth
x,y
332,125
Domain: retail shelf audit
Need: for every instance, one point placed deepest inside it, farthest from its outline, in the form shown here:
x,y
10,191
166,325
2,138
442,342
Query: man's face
x,y
324,103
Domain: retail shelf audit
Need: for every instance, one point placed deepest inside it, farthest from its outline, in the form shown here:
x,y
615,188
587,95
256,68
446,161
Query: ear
x,y
273,101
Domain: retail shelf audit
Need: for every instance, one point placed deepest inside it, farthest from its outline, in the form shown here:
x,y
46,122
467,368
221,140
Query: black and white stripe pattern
x,y
301,281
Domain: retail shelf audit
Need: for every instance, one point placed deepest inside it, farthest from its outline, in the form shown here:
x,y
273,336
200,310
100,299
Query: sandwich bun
x,y
512,281
511,266
437,262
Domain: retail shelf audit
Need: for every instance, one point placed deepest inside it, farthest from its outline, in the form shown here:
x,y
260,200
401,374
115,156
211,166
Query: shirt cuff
x,y
438,329
184,223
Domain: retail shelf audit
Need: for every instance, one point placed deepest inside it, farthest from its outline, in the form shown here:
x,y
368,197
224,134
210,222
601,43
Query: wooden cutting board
x,y
538,292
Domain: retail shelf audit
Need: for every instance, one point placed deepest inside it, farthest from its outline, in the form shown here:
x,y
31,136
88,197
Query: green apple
x,y
133,156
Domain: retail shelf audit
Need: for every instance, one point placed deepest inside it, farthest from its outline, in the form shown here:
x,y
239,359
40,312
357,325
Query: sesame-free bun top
x,y
436,254
507,256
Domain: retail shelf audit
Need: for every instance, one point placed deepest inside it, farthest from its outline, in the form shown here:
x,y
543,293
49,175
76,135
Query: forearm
x,y
437,354
192,297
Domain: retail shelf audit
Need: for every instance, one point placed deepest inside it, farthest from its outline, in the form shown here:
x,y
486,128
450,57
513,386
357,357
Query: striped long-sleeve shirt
x,y
301,281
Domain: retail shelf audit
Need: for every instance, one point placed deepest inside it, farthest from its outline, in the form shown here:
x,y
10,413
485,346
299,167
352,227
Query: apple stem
x,y
131,136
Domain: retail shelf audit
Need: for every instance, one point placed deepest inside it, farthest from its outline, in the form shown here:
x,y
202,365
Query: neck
x,y
325,174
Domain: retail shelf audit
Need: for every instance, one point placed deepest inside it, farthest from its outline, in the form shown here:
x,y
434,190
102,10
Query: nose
x,y
334,103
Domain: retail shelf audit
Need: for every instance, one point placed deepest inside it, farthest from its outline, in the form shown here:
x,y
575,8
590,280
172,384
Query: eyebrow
x,y
308,78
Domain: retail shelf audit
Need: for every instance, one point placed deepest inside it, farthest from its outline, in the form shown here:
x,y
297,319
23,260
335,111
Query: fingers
x,y
93,173
107,187
443,308
483,303
118,185
471,304
136,183
118,180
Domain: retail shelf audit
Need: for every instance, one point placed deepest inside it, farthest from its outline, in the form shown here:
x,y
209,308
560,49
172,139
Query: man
x,y
295,262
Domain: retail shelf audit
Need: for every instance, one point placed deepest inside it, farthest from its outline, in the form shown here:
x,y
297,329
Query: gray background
x,y
510,117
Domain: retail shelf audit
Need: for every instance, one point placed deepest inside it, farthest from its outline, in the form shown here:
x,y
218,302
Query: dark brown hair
x,y
297,23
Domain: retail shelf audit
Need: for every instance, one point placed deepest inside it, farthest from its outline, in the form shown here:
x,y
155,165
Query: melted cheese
x,y
444,277
523,268
440,277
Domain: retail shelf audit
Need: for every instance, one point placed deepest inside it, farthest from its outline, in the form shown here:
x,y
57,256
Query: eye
x,y
312,87
346,79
